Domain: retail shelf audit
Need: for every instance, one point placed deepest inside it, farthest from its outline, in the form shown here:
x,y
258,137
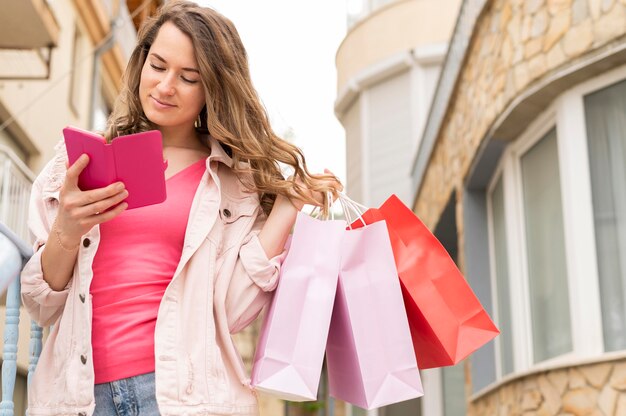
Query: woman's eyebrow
x,y
160,58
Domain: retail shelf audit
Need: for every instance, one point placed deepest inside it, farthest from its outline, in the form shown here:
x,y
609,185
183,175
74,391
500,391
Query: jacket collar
x,y
218,153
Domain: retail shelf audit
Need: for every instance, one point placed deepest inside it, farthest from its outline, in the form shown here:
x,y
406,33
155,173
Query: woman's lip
x,y
161,103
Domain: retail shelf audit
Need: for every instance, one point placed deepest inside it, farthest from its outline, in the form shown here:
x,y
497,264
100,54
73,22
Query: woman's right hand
x,y
80,210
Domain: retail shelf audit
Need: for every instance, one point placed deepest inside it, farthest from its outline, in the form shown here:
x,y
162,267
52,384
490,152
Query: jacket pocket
x,y
235,217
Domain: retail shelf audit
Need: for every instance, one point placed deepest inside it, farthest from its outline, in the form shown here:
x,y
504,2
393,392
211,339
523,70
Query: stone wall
x,y
515,44
594,390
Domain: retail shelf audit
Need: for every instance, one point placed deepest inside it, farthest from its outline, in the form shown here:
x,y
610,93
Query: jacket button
x,y
82,297
227,213
86,242
83,359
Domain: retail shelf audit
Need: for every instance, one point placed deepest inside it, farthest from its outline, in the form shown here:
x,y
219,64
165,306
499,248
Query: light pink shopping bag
x,y
290,350
370,357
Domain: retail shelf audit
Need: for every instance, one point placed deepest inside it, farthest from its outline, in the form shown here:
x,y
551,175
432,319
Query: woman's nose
x,y
166,85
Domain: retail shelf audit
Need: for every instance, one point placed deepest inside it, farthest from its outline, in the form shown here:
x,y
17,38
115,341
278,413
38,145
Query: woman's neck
x,y
183,138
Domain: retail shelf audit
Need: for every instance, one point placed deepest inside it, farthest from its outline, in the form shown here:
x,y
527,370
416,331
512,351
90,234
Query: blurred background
x,y
502,123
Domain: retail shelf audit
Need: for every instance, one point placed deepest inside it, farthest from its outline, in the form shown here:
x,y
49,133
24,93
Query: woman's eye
x,y
189,81
157,68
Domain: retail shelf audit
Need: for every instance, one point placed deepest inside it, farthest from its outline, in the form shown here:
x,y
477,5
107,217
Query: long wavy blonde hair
x,y
233,113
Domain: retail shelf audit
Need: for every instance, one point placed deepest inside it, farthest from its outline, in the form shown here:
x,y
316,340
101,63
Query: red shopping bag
x,y
447,321
369,353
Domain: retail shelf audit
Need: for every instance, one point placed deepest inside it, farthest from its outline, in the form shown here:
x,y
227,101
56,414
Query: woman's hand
x,y
281,219
331,183
80,210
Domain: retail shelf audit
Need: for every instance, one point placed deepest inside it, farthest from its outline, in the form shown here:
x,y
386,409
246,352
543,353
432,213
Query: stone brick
x,y
621,405
532,47
551,396
531,6
578,39
595,8
559,24
537,67
606,5
610,25
531,400
540,23
580,12
542,411
556,6
503,410
580,401
559,380
522,77
505,16
527,25
499,83
576,379
514,28
607,400
597,374
555,57
506,52
618,378
518,54
509,88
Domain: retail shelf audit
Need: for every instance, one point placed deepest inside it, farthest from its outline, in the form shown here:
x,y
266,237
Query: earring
x,y
198,122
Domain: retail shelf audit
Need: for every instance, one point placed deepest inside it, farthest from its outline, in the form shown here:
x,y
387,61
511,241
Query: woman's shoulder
x,y
52,176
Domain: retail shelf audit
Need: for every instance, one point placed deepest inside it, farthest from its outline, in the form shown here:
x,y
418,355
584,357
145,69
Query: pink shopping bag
x,y
290,351
370,357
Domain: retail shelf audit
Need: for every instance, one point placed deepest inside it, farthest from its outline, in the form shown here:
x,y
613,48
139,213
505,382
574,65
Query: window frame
x,y
567,115
76,76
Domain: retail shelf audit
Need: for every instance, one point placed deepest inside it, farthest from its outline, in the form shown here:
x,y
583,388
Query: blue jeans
x,y
133,396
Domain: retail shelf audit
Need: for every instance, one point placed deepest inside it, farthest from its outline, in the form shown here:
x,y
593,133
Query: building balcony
x,y
41,31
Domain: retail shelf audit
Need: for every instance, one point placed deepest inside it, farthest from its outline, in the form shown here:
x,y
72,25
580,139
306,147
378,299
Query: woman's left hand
x,y
332,184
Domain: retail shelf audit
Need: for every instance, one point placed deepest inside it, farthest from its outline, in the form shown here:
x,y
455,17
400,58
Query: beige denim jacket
x,y
222,282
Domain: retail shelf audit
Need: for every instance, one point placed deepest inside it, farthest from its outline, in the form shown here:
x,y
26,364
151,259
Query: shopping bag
x,y
290,350
447,321
369,354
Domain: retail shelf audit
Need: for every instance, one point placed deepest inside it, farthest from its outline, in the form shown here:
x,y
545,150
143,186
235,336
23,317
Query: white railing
x,y
15,184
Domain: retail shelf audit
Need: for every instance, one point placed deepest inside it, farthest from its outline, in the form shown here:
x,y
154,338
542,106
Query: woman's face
x,y
170,89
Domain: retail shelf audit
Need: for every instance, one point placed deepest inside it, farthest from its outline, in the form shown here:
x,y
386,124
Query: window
x,y
357,411
545,248
556,219
501,266
605,114
75,90
453,380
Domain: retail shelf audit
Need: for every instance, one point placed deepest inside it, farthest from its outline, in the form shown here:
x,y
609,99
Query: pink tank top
x,y
138,254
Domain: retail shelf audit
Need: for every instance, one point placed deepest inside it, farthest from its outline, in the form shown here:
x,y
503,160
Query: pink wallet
x,y
135,159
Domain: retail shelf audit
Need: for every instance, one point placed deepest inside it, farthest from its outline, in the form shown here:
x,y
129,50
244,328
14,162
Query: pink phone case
x,y
135,159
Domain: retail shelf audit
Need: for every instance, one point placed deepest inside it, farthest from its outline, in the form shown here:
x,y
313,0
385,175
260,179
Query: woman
x,y
143,302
